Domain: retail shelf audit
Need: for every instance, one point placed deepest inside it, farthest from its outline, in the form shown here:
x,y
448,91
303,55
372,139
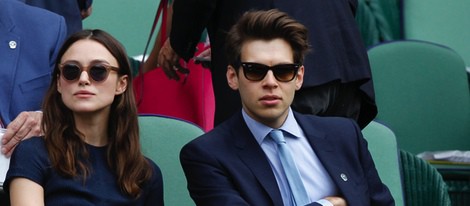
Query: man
x,y
337,81
30,40
73,11
239,162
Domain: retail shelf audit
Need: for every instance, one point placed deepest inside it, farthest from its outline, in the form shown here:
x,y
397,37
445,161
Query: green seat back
x,y
423,184
422,94
383,148
443,22
162,139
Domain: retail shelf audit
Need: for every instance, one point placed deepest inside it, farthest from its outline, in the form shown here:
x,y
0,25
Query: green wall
x,y
129,21
445,22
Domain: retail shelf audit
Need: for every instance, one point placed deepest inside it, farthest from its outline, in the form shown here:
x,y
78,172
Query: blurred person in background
x,y
74,11
31,39
337,79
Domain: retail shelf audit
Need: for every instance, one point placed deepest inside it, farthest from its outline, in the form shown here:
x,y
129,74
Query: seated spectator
x,y
90,152
267,154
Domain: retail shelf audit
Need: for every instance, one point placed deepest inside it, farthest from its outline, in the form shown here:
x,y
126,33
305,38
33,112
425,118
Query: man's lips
x,y
270,99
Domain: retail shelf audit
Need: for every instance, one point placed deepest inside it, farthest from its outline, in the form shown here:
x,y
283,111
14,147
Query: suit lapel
x,y
254,157
324,147
316,137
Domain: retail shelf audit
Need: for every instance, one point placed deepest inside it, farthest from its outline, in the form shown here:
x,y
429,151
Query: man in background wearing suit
x,y
243,161
30,39
337,81
73,11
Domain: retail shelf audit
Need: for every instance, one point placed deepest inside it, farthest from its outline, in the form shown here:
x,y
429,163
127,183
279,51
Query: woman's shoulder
x,y
32,144
31,149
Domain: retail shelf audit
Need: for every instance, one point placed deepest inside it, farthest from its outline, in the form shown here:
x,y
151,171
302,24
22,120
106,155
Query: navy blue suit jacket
x,y
228,167
69,9
29,41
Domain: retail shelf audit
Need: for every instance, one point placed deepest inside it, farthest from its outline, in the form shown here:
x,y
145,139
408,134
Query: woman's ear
x,y
59,88
122,84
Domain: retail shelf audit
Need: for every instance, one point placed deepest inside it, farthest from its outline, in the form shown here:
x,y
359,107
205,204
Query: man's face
x,y
268,99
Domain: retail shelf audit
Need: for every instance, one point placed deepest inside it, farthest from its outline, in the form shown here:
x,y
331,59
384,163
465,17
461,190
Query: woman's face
x,y
85,91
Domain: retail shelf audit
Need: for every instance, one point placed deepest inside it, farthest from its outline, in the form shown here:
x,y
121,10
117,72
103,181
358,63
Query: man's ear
x,y
299,80
121,84
232,77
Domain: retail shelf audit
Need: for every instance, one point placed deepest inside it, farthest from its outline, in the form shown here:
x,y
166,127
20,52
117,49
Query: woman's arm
x,y
24,192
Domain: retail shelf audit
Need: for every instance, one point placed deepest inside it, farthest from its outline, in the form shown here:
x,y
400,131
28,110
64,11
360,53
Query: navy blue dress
x,y
30,160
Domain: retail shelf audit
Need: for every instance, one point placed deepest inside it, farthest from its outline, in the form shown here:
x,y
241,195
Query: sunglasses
x,y
97,72
282,72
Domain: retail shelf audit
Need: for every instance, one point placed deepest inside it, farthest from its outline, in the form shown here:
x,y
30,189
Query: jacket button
x,y
12,44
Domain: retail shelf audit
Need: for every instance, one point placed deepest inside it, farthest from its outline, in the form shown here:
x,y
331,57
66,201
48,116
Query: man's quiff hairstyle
x,y
266,25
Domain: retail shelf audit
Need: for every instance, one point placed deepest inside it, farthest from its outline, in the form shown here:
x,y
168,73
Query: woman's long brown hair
x,y
68,152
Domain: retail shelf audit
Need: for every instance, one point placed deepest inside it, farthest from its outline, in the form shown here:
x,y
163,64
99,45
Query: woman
x,y
90,153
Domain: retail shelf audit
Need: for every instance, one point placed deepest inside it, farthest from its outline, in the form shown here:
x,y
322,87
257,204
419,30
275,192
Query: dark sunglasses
x,y
97,72
282,72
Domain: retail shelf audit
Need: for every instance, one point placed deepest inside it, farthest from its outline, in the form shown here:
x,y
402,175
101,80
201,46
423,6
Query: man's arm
x,y
208,183
85,8
189,19
28,123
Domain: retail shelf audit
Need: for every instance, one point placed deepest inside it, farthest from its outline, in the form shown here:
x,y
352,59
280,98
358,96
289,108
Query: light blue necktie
x,y
299,194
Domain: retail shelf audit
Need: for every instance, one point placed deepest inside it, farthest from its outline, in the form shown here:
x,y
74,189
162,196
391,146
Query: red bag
x,y
191,99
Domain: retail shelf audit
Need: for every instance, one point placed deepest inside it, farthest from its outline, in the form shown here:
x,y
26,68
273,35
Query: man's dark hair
x,y
266,25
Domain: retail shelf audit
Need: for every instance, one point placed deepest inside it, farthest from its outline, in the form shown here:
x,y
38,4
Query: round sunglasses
x,y
97,72
282,72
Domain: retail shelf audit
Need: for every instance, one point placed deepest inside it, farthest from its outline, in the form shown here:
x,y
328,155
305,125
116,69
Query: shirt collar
x,y
260,131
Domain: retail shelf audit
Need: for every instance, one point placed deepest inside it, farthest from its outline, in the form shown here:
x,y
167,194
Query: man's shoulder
x,y
22,9
321,119
222,134
217,134
29,18
326,124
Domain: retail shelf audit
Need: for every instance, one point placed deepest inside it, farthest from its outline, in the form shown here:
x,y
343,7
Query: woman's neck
x,y
93,127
